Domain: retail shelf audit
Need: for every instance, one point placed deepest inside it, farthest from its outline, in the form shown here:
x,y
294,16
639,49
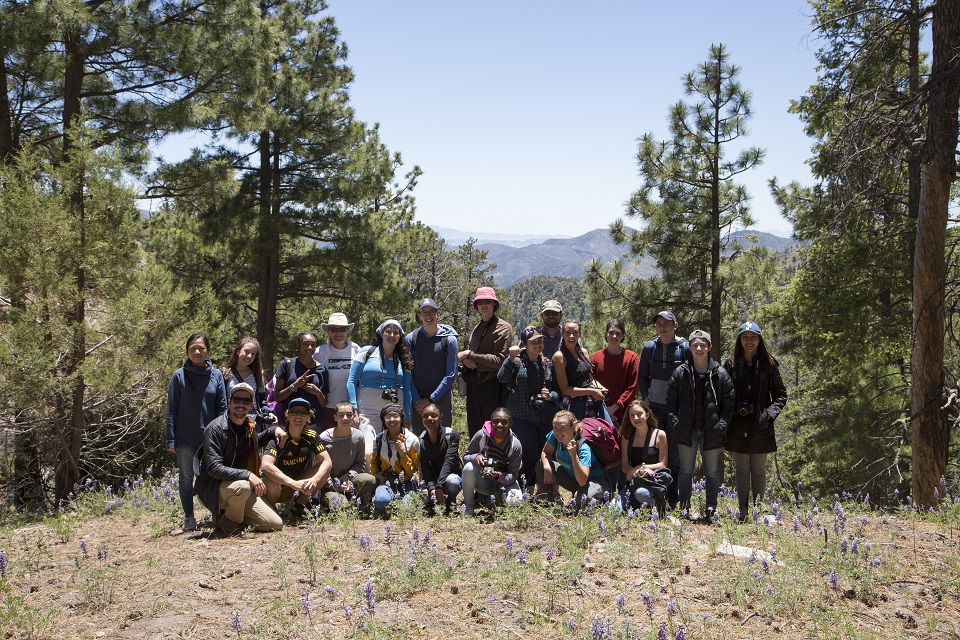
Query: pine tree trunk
x,y
269,267
931,431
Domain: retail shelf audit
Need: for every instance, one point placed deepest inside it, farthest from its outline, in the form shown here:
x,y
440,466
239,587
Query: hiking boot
x,y
189,524
228,527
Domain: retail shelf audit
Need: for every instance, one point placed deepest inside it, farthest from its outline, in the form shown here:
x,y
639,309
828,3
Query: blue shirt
x,y
584,453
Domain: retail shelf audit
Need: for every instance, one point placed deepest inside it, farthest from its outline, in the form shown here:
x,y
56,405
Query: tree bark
x,y
269,271
931,431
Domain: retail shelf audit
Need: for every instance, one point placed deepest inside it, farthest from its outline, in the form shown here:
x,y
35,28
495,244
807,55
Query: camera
x,y
744,408
489,471
391,396
263,419
536,401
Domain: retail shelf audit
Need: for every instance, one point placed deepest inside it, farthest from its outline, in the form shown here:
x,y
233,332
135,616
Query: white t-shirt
x,y
337,363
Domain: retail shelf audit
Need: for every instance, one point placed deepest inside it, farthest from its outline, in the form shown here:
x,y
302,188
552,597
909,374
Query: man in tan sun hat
x,y
336,354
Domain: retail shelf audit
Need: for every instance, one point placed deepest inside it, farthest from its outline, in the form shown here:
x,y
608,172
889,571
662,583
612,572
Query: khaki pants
x,y
241,504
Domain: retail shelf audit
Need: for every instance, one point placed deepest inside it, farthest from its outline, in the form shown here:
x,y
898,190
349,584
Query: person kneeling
x,y
440,466
396,458
229,483
492,462
297,469
567,461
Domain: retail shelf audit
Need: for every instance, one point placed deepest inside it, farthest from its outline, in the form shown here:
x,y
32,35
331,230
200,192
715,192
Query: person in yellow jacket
x,y
396,459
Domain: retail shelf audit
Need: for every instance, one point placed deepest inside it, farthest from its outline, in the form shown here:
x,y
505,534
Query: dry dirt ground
x,y
529,574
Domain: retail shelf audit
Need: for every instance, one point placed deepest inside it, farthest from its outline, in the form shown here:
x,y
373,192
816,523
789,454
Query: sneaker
x,y
228,527
709,515
190,524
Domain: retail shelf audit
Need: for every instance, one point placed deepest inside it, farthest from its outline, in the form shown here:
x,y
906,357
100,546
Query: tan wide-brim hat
x,y
337,320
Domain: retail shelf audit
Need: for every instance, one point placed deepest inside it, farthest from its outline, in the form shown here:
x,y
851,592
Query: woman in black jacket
x,y
761,397
701,401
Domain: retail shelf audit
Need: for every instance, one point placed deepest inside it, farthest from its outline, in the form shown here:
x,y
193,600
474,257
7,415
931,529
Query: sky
x,y
524,115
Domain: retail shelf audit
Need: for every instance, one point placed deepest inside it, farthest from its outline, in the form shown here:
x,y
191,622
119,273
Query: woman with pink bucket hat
x,y
481,360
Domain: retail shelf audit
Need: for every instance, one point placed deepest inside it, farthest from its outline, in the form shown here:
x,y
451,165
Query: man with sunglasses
x,y
336,356
300,467
229,483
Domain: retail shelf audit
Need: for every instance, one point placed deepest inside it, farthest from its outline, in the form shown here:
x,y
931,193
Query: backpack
x,y
603,438
650,346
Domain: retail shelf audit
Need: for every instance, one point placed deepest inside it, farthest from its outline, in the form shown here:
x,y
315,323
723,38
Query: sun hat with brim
x,y
337,320
485,293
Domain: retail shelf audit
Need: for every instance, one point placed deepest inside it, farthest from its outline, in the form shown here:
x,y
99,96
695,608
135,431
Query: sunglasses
x,y
298,412
336,329
242,400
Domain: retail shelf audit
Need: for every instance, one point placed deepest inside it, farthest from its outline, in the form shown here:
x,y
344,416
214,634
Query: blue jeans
x,y
451,487
384,494
711,470
532,437
185,458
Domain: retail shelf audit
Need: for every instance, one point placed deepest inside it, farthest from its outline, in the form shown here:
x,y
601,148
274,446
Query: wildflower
x,y
3,564
550,553
662,631
875,562
369,595
606,496
896,493
308,604
753,556
756,574
620,601
681,633
648,601
843,545
768,590
834,579
854,547
348,612
102,553
492,598
330,590
765,565
703,617
773,554
83,547
602,527
936,495
600,629
672,607
365,542
509,543
571,625
236,622
522,557
426,538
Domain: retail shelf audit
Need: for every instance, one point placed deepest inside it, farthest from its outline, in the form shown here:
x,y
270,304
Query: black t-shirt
x,y
700,400
320,378
294,458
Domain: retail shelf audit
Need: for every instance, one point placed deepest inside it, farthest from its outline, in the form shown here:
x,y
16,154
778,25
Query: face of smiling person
x,y
431,417
197,352
700,350
240,404
571,333
638,416
337,336
614,337
534,347
500,422
428,316
297,419
562,430
307,346
393,422
750,342
391,334
551,319
247,354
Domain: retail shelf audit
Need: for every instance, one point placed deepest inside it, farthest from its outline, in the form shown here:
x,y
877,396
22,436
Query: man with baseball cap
x,y
434,347
229,483
659,358
551,315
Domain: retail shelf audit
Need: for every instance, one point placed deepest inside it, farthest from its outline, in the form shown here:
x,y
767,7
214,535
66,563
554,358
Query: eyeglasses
x,y
336,329
550,313
242,400
298,413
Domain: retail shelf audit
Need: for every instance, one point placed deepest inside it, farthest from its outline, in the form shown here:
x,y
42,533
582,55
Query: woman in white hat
x,y
336,355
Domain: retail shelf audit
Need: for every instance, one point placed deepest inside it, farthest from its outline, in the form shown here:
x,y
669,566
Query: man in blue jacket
x,y
434,348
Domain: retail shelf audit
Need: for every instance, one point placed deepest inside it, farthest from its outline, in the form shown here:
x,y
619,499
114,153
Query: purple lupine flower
x,y
348,612
769,590
620,601
809,520
843,545
765,565
875,562
365,543
703,617
370,596
796,524
936,495
83,547
3,564
854,547
672,608
571,625
509,544
834,579
102,553
307,601
648,602
602,527
773,554
236,622
662,631
896,493
753,556
522,557
600,629
681,633
330,590
550,553
756,574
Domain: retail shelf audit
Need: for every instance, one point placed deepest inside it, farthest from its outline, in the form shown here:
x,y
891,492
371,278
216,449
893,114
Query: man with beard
x,y
551,314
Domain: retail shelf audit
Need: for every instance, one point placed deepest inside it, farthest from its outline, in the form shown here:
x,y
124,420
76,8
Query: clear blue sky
x,y
524,115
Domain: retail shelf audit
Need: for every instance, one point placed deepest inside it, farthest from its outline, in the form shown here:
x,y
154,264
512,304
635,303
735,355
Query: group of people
x,y
340,423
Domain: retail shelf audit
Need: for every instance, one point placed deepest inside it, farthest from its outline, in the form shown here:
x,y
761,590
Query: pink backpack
x,y
604,438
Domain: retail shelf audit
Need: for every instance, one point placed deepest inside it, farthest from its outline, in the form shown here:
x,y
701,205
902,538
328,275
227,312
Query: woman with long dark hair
x,y
380,374
571,368
761,396
195,396
617,369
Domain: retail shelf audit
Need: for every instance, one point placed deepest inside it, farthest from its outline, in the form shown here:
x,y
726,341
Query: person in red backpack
x,y
568,461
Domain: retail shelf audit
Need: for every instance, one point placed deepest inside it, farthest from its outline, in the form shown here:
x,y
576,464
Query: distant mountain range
x,y
521,257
